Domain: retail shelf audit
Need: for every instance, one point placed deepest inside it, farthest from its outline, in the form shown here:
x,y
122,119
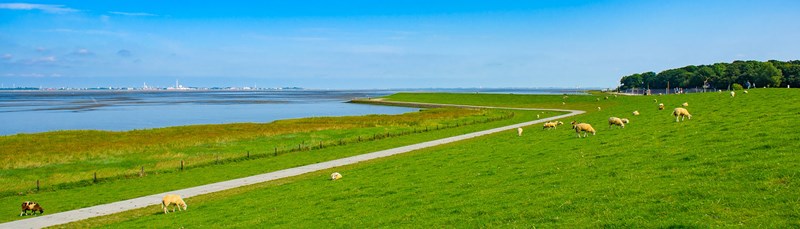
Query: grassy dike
x,y
262,161
733,164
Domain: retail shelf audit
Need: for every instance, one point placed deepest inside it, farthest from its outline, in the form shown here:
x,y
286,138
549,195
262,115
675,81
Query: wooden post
x,y
95,177
181,165
359,138
37,185
276,151
141,172
248,154
320,144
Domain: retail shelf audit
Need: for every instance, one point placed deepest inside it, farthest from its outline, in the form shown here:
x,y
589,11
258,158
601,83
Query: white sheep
x,y
682,113
598,99
635,113
615,121
519,131
598,109
655,100
171,199
563,103
745,91
661,106
583,127
537,116
336,176
685,104
625,120
733,93
606,98
552,125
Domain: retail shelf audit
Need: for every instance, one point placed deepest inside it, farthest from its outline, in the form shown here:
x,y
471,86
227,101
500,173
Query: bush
x,y
737,87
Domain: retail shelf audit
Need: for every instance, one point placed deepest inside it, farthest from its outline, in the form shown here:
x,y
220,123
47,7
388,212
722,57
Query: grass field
x,y
58,199
735,163
68,158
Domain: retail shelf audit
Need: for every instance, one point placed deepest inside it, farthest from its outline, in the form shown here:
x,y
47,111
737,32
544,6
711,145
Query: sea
x,y
26,112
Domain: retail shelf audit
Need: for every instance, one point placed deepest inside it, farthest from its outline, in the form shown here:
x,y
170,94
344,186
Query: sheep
x,y
681,112
598,108
598,99
745,91
655,100
685,104
606,98
733,93
31,206
171,199
537,116
583,127
615,121
625,120
661,106
553,125
635,113
336,175
615,95
519,131
563,103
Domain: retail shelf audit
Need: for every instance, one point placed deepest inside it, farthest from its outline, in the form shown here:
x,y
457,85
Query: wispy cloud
x,y
90,32
134,14
55,9
7,56
82,52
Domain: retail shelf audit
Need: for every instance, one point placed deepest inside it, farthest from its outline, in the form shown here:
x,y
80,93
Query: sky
x,y
381,44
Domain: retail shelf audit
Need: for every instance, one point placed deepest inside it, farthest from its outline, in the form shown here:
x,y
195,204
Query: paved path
x,y
155,199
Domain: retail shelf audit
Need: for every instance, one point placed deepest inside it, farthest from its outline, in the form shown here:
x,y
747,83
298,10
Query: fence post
x,y
37,185
141,172
248,154
276,151
181,165
95,177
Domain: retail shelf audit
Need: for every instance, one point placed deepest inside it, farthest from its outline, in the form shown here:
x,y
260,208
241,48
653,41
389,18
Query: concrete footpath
x,y
155,199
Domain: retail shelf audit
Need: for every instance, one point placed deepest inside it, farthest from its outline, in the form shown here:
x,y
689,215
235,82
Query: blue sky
x,y
377,44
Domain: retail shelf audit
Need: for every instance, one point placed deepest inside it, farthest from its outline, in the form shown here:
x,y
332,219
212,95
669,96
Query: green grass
x,y
735,163
110,190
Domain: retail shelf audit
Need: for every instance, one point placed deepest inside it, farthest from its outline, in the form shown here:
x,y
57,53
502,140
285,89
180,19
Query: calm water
x,y
41,111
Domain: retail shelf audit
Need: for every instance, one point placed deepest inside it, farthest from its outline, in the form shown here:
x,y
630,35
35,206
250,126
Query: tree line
x,y
771,73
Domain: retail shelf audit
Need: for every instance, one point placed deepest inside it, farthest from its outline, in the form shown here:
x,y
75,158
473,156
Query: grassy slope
x,y
114,190
734,163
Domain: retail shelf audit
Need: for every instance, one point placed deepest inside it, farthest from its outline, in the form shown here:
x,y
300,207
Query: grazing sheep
x,y
615,95
598,99
598,108
660,106
563,103
681,112
583,127
655,100
553,125
635,113
686,104
171,199
606,98
537,116
745,91
733,93
336,175
31,206
615,121
519,131
565,97
625,120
